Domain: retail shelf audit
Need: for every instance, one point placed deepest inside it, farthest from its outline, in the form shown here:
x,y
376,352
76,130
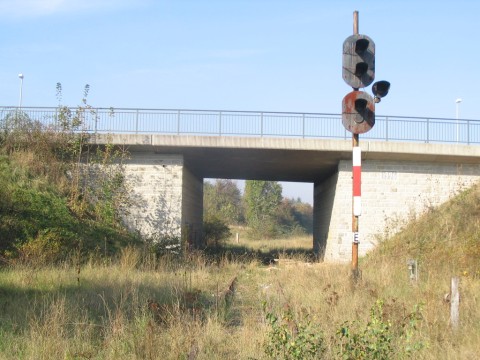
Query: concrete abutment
x,y
393,192
166,198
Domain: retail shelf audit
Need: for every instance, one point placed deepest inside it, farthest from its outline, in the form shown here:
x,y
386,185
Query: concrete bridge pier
x,y
393,192
166,198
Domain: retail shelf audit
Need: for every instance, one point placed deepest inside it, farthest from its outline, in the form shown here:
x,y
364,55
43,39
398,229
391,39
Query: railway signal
x,y
358,68
358,113
358,71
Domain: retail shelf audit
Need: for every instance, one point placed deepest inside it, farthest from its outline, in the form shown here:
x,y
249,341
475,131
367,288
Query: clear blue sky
x,y
269,55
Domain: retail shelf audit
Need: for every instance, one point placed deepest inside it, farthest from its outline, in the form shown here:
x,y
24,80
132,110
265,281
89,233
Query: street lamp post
x,y
21,89
457,106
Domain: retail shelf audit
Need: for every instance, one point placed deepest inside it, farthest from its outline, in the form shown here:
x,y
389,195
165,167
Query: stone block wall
x,y
392,193
155,185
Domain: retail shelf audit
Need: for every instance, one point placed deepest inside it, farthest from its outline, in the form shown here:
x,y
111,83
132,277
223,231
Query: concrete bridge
x,y
172,151
399,180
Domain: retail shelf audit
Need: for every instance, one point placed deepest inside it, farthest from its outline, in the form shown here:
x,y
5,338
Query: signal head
x,y
380,89
358,68
358,112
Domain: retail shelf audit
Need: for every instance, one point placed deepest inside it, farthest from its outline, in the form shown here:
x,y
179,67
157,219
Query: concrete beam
x,y
281,159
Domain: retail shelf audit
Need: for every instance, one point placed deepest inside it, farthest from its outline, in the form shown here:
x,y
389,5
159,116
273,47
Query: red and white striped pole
x,y
357,180
357,201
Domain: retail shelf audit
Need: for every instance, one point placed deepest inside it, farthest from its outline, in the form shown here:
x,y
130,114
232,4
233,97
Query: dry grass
x,y
304,242
142,307
47,314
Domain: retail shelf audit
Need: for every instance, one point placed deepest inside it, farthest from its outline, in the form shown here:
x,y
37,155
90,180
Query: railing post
x,y
468,132
220,123
386,128
261,124
136,122
56,119
428,130
303,125
96,121
178,122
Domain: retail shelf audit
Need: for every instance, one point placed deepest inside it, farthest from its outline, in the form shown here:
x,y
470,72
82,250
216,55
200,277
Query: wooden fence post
x,y
454,303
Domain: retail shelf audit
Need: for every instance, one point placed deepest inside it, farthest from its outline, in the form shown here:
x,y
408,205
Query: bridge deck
x,y
283,159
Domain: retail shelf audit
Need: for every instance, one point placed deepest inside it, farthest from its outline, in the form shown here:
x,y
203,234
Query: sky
x,y
258,55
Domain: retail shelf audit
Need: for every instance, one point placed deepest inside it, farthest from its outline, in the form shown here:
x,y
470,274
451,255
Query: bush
x,y
292,339
37,224
215,232
379,338
48,247
164,245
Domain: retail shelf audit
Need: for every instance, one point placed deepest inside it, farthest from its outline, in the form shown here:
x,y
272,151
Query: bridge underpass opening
x,y
167,172
266,217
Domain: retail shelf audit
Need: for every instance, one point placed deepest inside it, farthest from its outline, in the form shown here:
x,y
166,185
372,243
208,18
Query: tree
x,y
215,232
223,200
262,199
303,213
295,217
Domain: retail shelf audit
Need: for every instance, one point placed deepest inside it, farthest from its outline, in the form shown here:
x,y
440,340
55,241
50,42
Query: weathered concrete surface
x,y
283,159
393,192
155,201
192,208
166,199
398,180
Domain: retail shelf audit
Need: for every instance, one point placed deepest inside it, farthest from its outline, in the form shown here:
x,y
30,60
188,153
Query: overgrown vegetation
x,y
290,339
223,201
448,235
142,307
145,307
57,194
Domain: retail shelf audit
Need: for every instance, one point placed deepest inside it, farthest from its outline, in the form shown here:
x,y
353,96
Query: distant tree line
x,y
261,208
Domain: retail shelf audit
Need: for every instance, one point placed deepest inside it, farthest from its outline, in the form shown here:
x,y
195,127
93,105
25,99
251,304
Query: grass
x,y
106,312
49,314
267,251
304,242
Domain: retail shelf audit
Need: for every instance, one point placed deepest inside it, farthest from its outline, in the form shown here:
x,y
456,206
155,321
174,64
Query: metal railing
x,y
251,123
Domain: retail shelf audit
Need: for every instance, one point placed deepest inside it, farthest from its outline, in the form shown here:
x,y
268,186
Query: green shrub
x,y
292,339
379,338
48,247
215,232
164,245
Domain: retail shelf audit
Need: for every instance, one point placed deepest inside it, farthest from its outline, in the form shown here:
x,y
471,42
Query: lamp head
x,y
380,89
